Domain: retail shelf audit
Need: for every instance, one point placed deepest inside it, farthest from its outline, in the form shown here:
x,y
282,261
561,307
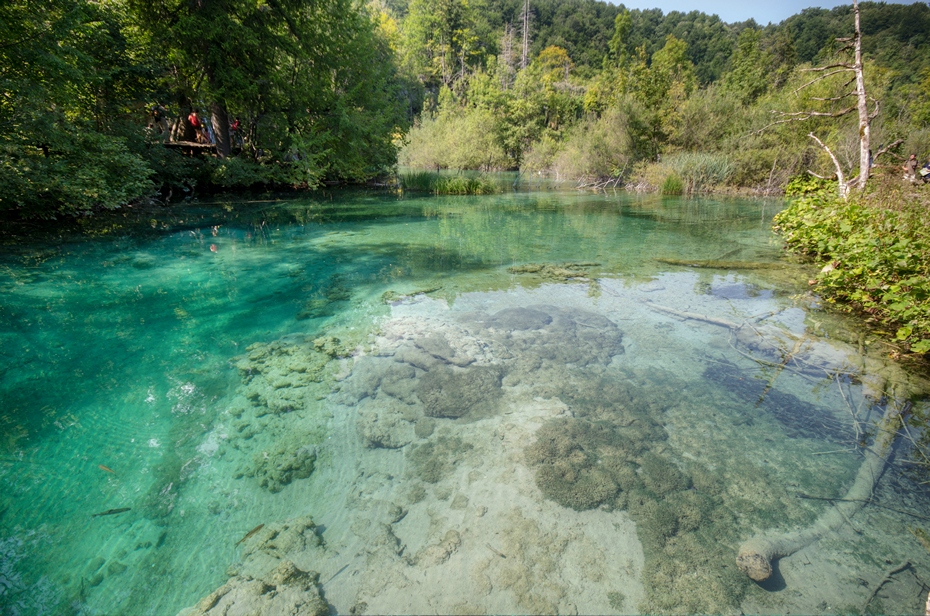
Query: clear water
x,y
602,454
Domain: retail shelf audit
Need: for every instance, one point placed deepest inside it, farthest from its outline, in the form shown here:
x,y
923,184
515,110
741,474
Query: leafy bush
x,y
596,149
81,171
456,139
876,256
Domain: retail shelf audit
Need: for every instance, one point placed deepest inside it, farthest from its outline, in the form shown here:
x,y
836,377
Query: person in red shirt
x,y
197,124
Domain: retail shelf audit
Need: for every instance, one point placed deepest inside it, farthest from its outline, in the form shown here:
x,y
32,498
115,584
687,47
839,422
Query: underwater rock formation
x,y
386,423
453,393
280,376
434,459
286,462
549,333
276,420
267,582
613,452
286,590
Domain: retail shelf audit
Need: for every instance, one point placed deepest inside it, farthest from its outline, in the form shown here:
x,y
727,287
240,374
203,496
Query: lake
x,y
535,402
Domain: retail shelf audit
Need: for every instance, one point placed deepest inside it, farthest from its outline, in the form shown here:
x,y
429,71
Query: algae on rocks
x,y
266,580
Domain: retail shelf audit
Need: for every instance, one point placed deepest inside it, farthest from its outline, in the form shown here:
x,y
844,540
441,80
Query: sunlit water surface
x,y
483,404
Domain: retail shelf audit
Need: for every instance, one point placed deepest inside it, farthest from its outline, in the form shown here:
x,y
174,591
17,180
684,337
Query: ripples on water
x,y
439,405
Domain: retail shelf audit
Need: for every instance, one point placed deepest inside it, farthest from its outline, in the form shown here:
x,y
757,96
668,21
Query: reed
x,y
438,184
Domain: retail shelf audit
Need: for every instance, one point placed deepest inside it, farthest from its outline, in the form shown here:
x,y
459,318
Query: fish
x,y
111,511
106,468
250,533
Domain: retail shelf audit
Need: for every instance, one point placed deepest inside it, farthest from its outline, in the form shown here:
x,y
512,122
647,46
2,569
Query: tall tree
x,y
748,78
439,40
67,88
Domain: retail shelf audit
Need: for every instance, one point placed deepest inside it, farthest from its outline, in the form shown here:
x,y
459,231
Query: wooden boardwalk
x,y
191,148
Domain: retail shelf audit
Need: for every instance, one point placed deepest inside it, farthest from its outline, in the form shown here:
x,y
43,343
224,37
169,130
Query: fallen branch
x,y
717,264
885,580
845,500
756,554
695,316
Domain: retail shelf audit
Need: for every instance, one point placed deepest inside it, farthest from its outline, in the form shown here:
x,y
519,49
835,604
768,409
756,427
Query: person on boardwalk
x,y
197,125
159,121
910,168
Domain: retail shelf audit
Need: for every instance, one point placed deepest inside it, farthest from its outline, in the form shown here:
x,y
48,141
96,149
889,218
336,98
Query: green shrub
x,y
82,171
876,256
456,139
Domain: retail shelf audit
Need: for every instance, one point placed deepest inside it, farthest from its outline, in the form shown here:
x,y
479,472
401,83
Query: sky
x,y
732,11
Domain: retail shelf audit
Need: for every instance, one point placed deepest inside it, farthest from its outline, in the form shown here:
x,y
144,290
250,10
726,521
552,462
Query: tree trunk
x,y
220,121
862,107
525,59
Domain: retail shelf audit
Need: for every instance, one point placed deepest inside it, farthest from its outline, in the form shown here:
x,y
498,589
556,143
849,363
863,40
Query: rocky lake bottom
x,y
556,439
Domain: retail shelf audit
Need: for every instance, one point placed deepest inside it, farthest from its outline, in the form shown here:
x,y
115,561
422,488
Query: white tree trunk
x,y
862,107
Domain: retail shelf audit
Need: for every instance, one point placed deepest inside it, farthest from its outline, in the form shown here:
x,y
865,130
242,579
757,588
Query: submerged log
x,y
756,554
695,316
715,264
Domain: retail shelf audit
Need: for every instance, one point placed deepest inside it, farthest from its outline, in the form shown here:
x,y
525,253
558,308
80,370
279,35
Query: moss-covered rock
x,y
434,460
662,476
288,461
453,393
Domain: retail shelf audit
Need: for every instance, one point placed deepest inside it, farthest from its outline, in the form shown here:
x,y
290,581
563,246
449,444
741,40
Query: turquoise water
x,y
131,380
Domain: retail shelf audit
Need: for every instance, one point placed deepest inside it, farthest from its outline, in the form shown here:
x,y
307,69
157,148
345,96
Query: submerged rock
x,y
513,319
286,462
283,375
267,582
386,424
453,393
286,590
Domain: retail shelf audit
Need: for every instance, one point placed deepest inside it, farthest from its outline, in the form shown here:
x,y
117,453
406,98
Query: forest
x,y
99,97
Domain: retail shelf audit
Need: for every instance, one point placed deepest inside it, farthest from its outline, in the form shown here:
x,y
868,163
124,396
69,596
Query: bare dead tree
x,y
525,16
854,90
507,58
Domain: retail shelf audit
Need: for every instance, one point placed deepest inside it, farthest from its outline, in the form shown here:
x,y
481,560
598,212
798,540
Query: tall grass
x,y
684,173
438,184
700,171
418,181
672,185
461,185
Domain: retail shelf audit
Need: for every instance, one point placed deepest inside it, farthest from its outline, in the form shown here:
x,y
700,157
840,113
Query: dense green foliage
x,y
608,93
314,85
875,252
326,91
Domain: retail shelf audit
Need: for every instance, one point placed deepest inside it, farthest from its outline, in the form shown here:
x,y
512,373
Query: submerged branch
x,y
757,553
